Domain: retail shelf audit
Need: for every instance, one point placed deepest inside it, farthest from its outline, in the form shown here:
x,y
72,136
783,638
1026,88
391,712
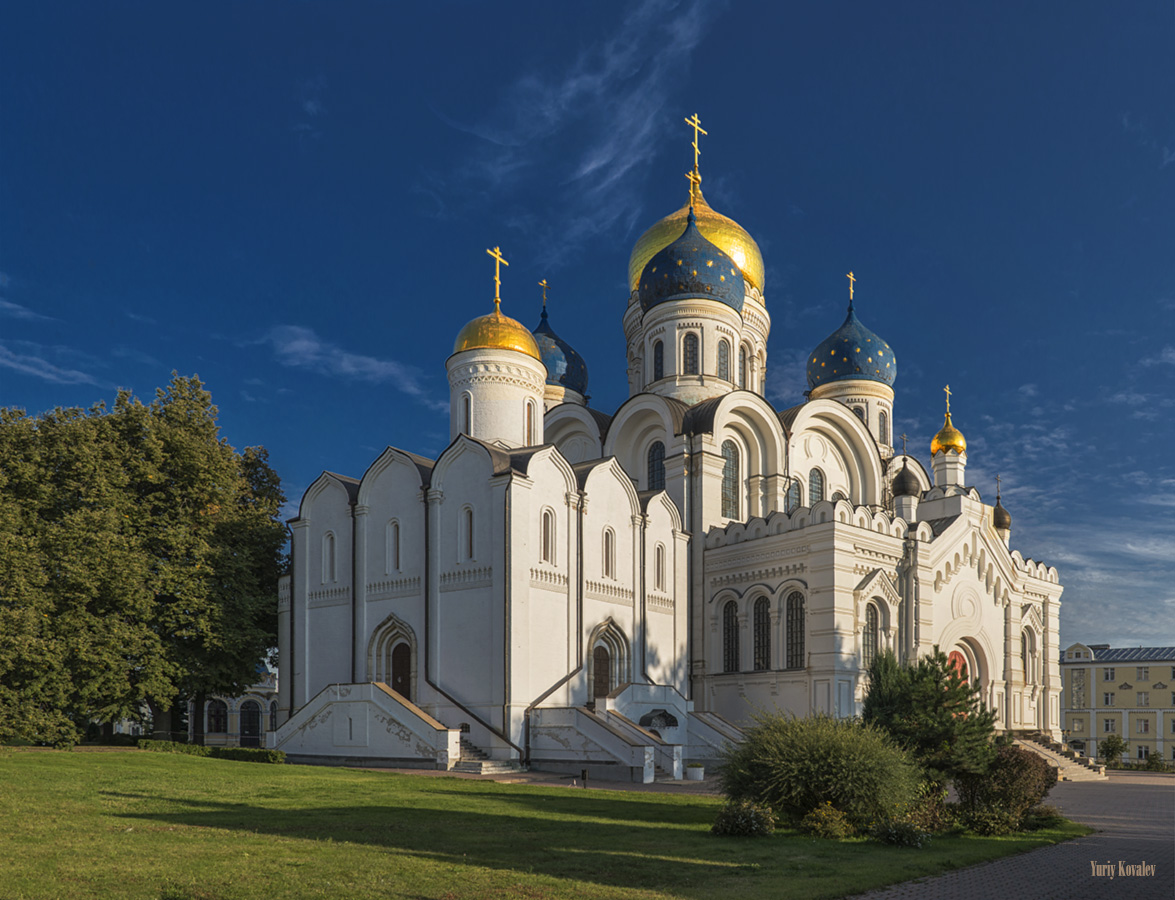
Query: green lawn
x,y
151,825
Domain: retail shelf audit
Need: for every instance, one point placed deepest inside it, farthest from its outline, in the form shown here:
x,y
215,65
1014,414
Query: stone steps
x,y
1067,769
475,761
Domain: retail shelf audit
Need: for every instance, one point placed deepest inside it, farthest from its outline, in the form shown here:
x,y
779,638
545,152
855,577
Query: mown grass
x,y
161,827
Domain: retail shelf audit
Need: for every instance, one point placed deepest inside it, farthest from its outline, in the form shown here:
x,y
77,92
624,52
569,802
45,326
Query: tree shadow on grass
x,y
633,852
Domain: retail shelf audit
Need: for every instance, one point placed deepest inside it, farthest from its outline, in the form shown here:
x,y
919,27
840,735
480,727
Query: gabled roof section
x,y
938,526
583,469
602,419
351,484
1132,654
788,416
520,459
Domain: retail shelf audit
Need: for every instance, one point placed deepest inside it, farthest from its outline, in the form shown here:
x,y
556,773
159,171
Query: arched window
x,y
724,360
794,496
690,354
870,638
609,553
742,368
837,495
467,525
467,414
860,413
815,487
883,427
217,717
1026,649
548,537
762,634
730,637
392,552
656,467
529,423
659,568
658,361
730,480
328,558
795,630
250,728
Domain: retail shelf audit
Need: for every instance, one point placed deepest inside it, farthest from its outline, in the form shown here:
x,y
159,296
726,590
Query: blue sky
x,y
293,201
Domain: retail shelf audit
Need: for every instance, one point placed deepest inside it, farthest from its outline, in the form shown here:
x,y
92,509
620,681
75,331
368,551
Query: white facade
x,y
546,599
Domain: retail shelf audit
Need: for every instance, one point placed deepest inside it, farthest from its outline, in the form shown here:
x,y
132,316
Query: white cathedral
x,y
618,594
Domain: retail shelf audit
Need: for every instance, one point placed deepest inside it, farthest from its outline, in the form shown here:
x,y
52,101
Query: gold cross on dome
x,y
543,284
948,393
499,261
695,181
852,280
696,124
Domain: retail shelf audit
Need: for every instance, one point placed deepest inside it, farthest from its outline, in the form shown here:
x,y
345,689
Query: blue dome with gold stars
x,y
852,351
565,367
690,268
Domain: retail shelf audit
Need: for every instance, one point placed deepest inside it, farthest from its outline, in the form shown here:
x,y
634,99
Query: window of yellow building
x,y
1144,698
1144,726
1107,699
1107,674
1109,726
1144,673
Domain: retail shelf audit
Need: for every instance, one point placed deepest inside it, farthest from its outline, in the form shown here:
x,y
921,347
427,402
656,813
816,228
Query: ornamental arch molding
x,y
391,632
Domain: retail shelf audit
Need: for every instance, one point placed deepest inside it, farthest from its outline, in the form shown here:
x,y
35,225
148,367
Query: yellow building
x,y
1125,691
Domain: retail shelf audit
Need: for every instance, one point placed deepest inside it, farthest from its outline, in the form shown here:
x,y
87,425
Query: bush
x,y
744,819
796,765
826,821
1016,781
900,832
241,754
991,820
1154,763
1042,817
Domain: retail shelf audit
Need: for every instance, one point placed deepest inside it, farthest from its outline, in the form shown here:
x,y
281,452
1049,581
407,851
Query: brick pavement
x,y
1135,817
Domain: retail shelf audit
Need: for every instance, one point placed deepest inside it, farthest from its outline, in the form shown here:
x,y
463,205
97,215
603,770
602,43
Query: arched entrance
x,y
601,673
402,670
959,663
250,724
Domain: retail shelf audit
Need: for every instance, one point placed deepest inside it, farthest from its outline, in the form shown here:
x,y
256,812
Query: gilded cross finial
x,y
499,261
904,445
948,393
852,280
695,181
696,124
543,284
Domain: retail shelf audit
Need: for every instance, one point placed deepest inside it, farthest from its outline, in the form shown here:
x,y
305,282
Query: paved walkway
x,y
1135,817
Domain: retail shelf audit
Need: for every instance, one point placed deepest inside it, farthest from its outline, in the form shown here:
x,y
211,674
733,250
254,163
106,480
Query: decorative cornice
x,y
463,579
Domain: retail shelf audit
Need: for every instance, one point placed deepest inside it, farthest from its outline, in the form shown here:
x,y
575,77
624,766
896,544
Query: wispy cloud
x,y
1142,134
138,356
1166,356
302,348
137,317
16,311
607,102
34,363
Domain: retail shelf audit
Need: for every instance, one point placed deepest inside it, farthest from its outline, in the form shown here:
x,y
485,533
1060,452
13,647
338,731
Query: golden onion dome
x,y
723,232
495,331
949,438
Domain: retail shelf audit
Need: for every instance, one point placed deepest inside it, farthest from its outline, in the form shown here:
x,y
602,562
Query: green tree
x,y
932,711
1112,748
138,561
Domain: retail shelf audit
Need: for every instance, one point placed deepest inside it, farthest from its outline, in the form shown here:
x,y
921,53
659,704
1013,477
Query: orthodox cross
x,y
694,181
948,392
997,489
696,124
852,280
903,445
543,284
499,261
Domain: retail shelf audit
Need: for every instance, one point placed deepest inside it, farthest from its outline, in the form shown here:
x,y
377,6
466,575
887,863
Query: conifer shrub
x,y
742,818
796,765
240,754
174,747
1016,781
826,821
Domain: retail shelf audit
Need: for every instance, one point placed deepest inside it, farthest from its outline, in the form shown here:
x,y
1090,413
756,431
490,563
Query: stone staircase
x,y
475,761
1069,766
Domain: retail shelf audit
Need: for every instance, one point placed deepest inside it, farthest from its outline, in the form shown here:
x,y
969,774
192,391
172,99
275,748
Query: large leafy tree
x,y
931,709
139,554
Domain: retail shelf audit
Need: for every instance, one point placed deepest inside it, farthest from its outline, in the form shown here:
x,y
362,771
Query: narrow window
x,y
762,634
730,637
217,717
466,414
1024,656
609,554
883,427
548,536
658,361
794,493
273,715
393,548
724,360
659,568
468,534
730,480
795,630
656,467
328,557
742,367
815,487
690,355
869,644
860,413
1144,673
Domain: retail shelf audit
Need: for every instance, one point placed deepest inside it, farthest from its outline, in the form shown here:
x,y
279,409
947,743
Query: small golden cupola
x,y
495,331
722,231
949,438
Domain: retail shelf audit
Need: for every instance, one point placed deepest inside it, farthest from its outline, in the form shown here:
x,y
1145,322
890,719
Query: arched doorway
x,y
959,663
402,670
250,724
601,672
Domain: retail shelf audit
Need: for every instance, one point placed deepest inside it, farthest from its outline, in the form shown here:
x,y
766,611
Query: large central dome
x,y
723,232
